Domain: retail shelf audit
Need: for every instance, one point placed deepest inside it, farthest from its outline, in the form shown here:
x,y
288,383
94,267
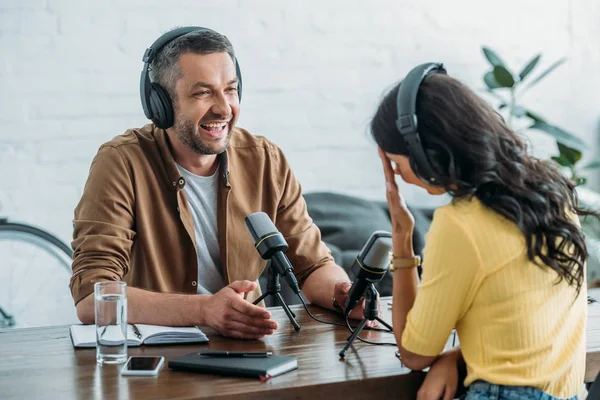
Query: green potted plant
x,y
508,88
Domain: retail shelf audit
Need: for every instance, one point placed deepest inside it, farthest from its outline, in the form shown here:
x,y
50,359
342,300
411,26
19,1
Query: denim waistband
x,y
481,390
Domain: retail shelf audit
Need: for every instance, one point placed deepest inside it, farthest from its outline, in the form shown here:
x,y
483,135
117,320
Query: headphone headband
x,y
159,43
155,99
407,123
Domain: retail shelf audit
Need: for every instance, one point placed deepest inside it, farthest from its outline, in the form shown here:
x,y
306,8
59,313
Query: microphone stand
x,y
371,313
274,289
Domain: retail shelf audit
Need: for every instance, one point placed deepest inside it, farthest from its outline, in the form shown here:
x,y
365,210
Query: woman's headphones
x,y
155,99
407,123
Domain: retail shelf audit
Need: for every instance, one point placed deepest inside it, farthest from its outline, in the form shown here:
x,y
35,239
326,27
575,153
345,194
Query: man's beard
x,y
187,133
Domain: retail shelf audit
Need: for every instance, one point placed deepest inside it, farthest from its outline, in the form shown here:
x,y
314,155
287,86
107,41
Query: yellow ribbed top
x,y
516,326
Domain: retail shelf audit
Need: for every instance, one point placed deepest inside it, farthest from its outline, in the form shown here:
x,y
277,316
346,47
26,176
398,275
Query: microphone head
x,y
374,259
267,239
259,225
370,266
378,255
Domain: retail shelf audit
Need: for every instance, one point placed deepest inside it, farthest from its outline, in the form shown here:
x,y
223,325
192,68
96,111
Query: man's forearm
x,y
318,287
144,307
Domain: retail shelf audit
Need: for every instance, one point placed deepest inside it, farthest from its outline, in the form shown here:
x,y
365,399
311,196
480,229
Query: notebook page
x,y
155,334
84,336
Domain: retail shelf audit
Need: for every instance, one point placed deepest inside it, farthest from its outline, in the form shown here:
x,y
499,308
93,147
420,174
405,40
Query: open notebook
x,y
85,335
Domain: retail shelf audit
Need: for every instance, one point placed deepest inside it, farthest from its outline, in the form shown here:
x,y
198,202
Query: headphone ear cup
x,y
432,157
438,161
162,109
413,166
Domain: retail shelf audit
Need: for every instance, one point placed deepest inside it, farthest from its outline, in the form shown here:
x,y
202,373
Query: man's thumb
x,y
243,286
345,287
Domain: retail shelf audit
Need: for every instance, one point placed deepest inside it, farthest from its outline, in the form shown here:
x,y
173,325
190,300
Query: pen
x,y
136,331
217,353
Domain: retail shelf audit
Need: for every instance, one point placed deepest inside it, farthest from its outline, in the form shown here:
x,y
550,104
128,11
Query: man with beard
x,y
163,208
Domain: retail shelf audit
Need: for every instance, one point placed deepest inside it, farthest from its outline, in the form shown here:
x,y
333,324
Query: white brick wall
x,y
313,74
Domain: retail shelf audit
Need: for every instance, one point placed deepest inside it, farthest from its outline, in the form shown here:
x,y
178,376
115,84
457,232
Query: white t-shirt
x,y
201,193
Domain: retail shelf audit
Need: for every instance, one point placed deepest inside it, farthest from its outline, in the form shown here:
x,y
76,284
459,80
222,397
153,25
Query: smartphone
x,y
143,366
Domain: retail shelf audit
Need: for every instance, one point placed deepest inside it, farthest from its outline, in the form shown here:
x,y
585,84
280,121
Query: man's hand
x,y
340,292
441,380
227,312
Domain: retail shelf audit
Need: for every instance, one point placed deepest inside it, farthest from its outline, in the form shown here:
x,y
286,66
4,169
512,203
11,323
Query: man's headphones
x,y
407,123
155,99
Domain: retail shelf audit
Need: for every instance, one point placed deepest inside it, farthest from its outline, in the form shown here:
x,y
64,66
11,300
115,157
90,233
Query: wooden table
x,y
41,363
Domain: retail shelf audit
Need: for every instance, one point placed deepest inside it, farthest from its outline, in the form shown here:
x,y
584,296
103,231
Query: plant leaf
x,y
529,67
562,136
503,77
534,116
492,57
570,154
560,160
547,71
592,165
490,81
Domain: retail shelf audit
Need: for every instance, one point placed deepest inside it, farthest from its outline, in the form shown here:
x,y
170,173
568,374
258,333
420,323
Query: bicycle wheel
x,y
34,287
38,237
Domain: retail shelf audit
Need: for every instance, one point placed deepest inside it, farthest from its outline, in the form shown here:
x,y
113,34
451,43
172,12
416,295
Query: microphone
x,y
270,245
370,266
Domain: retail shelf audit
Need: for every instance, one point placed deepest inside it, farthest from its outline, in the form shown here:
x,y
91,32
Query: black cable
x,y
315,318
334,322
366,341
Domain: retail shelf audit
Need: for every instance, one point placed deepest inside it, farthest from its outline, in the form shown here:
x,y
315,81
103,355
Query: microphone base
x,y
371,313
274,289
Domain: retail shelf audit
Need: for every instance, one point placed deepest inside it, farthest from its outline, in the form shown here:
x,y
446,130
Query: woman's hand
x,y
441,381
403,222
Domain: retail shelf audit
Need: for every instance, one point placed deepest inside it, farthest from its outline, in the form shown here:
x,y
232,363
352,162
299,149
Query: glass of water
x,y
110,302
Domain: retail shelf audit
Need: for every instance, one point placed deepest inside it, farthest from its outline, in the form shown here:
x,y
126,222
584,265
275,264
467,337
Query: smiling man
x,y
164,205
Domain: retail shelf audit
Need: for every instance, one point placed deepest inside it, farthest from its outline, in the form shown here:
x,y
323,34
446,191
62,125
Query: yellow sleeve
x,y
452,272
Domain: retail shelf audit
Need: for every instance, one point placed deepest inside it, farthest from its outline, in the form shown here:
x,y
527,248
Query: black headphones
x,y
155,99
407,123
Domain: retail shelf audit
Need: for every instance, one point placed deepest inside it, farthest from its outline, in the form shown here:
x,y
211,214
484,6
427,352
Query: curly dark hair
x,y
476,154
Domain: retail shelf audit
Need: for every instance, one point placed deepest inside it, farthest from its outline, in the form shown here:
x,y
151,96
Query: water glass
x,y
110,302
